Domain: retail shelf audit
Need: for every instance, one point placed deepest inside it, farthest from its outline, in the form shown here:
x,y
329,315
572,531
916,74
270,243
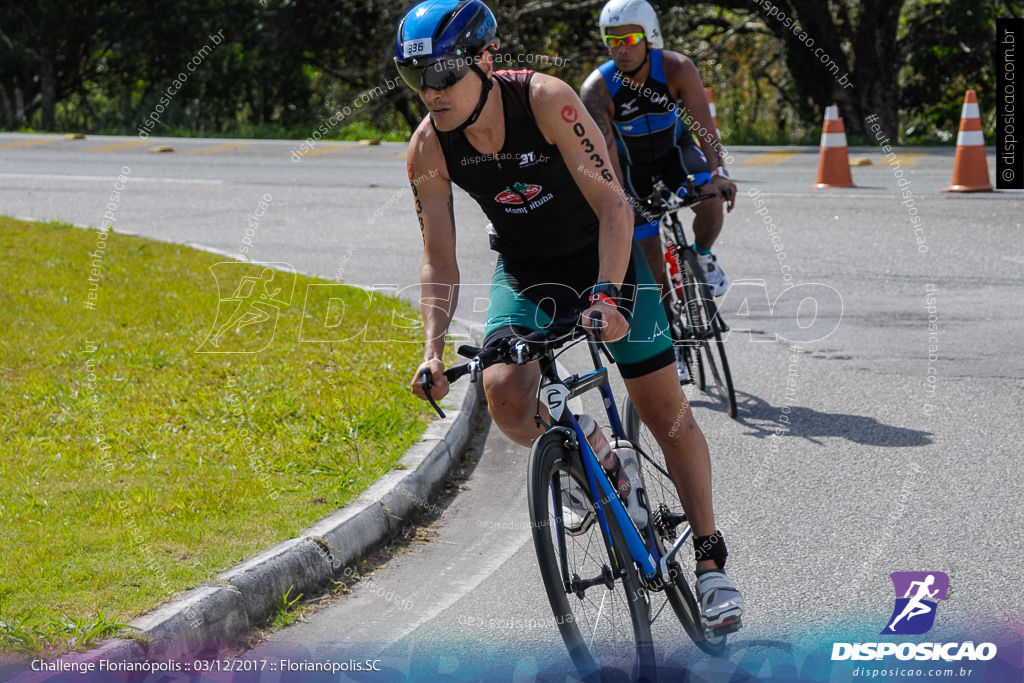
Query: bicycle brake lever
x,y
426,383
595,325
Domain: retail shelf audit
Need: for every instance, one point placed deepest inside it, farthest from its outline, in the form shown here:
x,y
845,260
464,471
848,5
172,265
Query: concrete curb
x,y
213,615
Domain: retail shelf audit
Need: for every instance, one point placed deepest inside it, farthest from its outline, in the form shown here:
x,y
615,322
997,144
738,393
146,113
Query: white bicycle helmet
x,y
622,12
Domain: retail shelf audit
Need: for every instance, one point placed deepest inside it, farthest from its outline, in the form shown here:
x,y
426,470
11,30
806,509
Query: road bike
x,y
611,583
697,325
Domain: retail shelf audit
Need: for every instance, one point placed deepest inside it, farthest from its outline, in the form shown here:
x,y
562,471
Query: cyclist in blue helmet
x,y
524,147
646,100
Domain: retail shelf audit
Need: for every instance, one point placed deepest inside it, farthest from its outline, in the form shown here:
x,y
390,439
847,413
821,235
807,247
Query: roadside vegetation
x,y
133,467
239,68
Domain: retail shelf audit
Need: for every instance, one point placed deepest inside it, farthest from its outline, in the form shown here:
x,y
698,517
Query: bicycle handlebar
x,y
512,351
662,200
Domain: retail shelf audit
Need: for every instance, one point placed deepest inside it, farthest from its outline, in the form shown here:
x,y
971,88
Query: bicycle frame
x,y
555,394
675,242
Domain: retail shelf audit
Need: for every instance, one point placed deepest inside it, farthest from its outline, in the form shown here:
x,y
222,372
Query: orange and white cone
x,y
970,169
834,160
714,112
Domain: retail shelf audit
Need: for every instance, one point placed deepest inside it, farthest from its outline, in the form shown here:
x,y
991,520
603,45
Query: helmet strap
x,y
488,84
634,72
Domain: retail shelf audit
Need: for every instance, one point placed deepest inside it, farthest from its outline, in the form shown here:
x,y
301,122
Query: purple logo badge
x,y
917,596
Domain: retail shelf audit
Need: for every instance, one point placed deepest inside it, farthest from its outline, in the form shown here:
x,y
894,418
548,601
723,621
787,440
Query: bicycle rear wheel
x,y
703,326
593,586
669,523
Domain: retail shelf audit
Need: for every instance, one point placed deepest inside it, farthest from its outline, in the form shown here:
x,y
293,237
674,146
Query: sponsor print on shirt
x,y
527,159
521,196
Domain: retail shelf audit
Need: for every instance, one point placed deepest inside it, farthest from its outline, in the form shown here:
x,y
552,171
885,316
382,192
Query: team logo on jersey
x,y
630,107
519,193
527,159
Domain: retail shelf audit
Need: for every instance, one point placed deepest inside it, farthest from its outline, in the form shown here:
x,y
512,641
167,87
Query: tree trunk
x,y
8,111
875,91
19,105
843,39
48,88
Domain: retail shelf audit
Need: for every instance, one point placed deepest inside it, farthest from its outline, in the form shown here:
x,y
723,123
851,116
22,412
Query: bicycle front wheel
x,y
704,327
591,581
668,522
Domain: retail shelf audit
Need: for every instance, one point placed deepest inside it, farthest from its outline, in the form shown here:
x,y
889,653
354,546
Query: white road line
x,y
494,558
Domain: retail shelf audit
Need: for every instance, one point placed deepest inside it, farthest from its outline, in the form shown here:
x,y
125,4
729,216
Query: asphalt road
x,y
901,451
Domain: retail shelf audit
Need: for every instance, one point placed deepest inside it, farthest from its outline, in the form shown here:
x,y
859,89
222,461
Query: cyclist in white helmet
x,y
642,99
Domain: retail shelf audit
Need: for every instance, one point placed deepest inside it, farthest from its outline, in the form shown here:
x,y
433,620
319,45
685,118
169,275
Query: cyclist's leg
x,y
660,403
645,360
708,215
512,400
663,407
511,390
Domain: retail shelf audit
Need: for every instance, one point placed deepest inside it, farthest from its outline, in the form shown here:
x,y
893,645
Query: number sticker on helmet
x,y
415,48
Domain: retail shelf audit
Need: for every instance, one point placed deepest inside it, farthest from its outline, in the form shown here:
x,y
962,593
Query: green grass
x,y
357,130
95,536
286,612
32,635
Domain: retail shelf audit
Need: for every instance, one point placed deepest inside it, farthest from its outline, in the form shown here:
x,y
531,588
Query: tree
x,y
901,58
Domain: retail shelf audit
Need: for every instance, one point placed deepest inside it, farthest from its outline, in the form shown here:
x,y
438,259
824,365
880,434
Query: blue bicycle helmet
x,y
438,40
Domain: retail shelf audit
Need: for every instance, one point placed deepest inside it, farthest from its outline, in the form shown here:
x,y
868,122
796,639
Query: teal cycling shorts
x,y
523,301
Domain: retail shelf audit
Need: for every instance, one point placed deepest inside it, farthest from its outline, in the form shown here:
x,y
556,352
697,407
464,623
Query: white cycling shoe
x,y
721,604
713,274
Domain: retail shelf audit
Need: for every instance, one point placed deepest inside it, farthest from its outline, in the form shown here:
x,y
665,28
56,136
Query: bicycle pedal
x,y
671,519
724,628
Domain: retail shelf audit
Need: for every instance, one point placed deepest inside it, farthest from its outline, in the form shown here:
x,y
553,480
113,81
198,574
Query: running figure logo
x,y
247,319
914,612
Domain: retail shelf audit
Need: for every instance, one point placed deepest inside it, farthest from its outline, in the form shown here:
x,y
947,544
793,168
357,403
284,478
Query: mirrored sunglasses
x,y
629,40
437,72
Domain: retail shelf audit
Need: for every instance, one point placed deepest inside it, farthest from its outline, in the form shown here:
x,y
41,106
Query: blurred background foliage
x,y
284,66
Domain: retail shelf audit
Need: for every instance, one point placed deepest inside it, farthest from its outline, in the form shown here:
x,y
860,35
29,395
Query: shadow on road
x,y
764,419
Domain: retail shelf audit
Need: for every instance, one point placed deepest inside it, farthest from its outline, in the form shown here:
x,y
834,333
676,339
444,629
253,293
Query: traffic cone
x,y
834,160
714,113
970,169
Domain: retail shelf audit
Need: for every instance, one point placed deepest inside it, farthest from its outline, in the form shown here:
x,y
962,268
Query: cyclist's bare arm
x,y
685,86
439,271
564,122
598,101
